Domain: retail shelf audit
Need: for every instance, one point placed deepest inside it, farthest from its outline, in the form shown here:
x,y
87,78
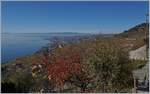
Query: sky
x,y
81,17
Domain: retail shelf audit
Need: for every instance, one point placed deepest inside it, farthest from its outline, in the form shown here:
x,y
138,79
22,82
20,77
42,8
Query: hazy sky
x,y
85,17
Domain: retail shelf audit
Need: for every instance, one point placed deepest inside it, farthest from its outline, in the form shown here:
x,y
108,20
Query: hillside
x,y
138,31
135,37
19,75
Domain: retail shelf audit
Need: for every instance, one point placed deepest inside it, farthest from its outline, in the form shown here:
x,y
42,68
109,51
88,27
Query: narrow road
x,y
141,74
139,53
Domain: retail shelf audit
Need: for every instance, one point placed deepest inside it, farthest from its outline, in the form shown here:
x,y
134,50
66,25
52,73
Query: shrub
x,y
17,83
111,65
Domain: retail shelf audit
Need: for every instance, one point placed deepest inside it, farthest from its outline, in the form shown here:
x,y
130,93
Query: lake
x,y
18,45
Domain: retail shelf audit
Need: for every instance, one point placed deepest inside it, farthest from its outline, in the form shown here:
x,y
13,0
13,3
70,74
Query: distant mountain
x,y
48,33
136,36
138,31
67,33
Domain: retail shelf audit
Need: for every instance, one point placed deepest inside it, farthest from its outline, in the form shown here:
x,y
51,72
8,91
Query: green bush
x,y
138,64
21,82
112,67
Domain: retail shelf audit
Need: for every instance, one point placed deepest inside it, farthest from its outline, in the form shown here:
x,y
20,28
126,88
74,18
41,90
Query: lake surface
x,y
18,45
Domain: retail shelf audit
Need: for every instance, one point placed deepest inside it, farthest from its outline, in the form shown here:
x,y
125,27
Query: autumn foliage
x,y
61,66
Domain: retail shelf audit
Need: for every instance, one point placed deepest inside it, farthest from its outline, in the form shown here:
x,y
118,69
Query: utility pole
x,y
134,84
147,15
147,30
147,38
147,22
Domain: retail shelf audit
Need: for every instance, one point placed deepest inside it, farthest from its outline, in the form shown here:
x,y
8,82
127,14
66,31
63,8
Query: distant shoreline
x,y
49,33
60,39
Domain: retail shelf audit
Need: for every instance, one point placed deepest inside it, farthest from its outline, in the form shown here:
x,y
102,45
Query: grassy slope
x,y
138,35
23,64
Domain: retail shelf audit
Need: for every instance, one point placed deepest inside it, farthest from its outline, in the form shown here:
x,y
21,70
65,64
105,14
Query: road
x,y
141,74
139,53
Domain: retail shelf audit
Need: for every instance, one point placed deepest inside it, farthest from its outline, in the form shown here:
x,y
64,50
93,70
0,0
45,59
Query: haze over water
x,y
18,45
